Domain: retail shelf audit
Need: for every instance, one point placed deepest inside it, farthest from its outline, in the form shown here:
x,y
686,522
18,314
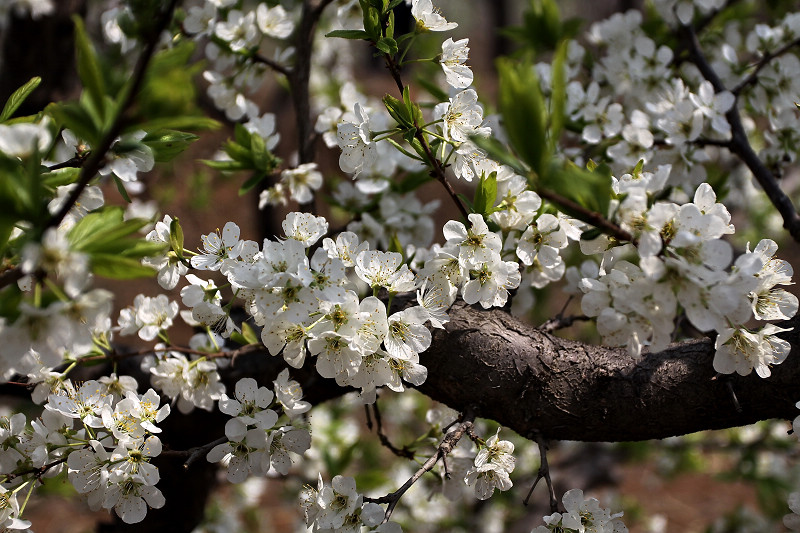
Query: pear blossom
x,y
453,59
428,17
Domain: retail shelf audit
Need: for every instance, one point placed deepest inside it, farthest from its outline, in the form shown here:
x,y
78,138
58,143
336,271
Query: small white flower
x,y
453,59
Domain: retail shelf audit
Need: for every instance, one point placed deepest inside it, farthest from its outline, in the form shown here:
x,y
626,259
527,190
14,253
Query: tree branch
x,y
740,145
537,384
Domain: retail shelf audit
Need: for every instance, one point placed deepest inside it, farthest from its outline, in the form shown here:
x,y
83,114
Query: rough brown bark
x,y
534,382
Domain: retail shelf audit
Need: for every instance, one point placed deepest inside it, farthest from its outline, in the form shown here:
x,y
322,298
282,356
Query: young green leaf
x,y
176,237
88,68
167,144
251,182
348,34
18,97
524,114
485,194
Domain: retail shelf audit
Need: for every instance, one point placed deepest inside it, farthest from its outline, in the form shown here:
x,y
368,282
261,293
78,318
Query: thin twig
x,y
73,162
598,220
752,78
445,447
560,322
437,170
115,356
195,453
274,65
740,145
39,472
97,157
544,473
404,452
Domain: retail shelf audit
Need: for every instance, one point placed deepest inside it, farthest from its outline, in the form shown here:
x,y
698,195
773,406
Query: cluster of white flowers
x,y
339,507
104,432
255,443
492,467
317,295
582,515
235,34
684,261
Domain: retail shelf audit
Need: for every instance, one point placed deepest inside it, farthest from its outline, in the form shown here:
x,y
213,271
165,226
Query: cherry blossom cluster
x,y
304,306
317,294
491,468
683,262
582,515
256,443
103,433
339,507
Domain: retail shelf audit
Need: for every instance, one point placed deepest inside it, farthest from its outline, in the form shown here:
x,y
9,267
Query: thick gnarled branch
x,y
536,383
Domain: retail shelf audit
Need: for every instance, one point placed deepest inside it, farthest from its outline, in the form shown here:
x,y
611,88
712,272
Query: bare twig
x,y
193,454
400,452
115,356
73,162
560,322
445,447
544,473
274,65
38,472
598,220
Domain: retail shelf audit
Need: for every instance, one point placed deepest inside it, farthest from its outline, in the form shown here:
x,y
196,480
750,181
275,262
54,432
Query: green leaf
x,y
387,45
88,68
240,153
390,26
485,194
119,267
371,19
225,166
63,176
176,237
167,144
397,110
251,182
241,135
261,156
121,188
499,152
393,4
523,110
249,334
591,190
18,97
348,34
412,108
105,230
434,90
76,118
238,338
190,123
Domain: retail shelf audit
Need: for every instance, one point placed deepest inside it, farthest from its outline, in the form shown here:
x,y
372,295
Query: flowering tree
x,y
604,166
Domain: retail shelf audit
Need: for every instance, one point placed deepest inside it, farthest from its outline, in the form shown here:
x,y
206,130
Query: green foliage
x,y
89,69
168,88
18,97
543,28
524,112
114,248
247,152
485,194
